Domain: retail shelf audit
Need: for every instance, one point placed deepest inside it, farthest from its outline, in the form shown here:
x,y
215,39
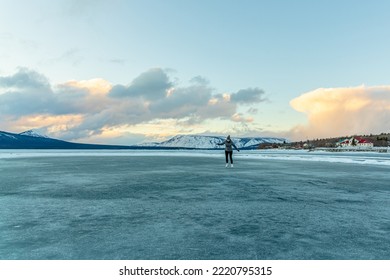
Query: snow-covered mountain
x,y
33,133
211,142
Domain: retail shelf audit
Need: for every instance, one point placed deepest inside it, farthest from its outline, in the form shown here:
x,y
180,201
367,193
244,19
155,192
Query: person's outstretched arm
x,y
235,147
223,143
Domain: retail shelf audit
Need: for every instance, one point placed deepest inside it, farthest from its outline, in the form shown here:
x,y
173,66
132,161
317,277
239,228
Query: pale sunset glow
x,y
240,118
213,101
170,92
93,86
159,130
226,97
344,111
54,124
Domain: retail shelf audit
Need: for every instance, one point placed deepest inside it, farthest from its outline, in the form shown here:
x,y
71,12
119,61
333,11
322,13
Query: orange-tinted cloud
x,y
93,86
333,112
238,117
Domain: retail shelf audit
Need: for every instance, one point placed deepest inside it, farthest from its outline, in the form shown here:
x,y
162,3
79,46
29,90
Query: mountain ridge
x,y
32,140
211,142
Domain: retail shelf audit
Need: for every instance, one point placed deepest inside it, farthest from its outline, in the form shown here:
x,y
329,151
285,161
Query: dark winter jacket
x,y
228,145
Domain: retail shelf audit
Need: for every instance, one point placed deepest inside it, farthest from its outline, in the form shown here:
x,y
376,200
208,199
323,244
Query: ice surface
x,y
366,158
187,205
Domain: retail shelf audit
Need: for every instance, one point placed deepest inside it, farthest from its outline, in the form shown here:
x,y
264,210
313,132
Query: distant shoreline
x,y
351,149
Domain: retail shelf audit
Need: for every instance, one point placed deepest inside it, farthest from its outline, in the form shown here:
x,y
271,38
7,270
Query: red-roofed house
x,y
355,142
361,142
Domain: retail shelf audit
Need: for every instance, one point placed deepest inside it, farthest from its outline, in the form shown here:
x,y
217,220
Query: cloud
x,y
54,125
238,117
24,79
253,110
150,85
89,109
248,96
200,80
28,92
333,112
219,106
181,102
119,61
94,86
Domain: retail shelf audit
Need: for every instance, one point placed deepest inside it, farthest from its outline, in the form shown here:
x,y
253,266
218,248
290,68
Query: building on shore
x,y
357,142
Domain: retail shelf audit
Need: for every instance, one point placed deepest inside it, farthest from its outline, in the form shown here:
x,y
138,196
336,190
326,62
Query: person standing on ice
x,y
229,150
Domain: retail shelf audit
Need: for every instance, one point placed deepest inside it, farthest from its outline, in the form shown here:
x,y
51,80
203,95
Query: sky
x,y
126,72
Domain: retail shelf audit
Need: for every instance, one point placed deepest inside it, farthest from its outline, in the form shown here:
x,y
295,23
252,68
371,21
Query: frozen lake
x,y
187,205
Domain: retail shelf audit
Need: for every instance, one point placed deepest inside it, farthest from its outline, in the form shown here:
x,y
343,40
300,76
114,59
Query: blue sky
x,y
213,67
